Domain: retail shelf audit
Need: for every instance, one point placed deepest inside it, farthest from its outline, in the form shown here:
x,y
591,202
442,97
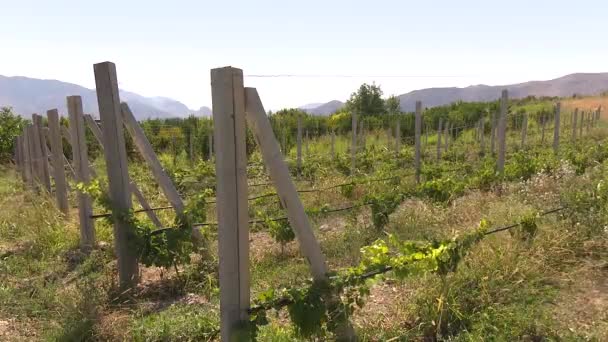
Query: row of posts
x,y
445,131
37,144
231,101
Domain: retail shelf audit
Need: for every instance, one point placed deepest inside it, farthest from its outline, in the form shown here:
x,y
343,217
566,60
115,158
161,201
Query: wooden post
x,y
299,147
46,142
16,155
42,151
417,128
556,128
353,145
108,99
543,123
439,133
398,136
228,100
132,184
31,148
36,153
28,149
574,121
22,154
589,120
502,126
81,168
524,130
61,191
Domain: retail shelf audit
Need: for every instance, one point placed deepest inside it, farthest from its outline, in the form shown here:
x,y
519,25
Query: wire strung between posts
x,y
269,194
281,302
258,221
96,216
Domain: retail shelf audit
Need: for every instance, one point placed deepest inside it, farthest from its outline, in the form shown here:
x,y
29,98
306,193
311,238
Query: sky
x,y
167,48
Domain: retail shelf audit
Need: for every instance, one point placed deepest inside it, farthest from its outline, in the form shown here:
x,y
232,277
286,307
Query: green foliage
x,y
382,206
280,230
11,126
176,323
441,190
392,105
314,314
348,190
367,100
163,248
528,227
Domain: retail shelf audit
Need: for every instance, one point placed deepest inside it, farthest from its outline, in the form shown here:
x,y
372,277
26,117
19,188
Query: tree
x,y
366,101
11,126
392,105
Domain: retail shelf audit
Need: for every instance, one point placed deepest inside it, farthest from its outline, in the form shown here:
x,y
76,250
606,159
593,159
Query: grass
x,y
506,289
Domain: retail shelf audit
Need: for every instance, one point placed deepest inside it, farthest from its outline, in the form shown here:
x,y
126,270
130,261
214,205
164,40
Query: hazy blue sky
x,y
167,47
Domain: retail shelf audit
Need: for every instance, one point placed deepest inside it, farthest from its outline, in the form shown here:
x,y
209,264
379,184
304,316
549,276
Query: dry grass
x,y
586,104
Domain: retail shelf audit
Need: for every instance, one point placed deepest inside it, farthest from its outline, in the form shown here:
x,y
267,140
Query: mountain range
x,y
581,84
30,95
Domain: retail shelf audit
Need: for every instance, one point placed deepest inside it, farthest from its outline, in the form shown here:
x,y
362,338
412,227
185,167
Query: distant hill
x,y
203,111
581,84
30,95
310,105
325,108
